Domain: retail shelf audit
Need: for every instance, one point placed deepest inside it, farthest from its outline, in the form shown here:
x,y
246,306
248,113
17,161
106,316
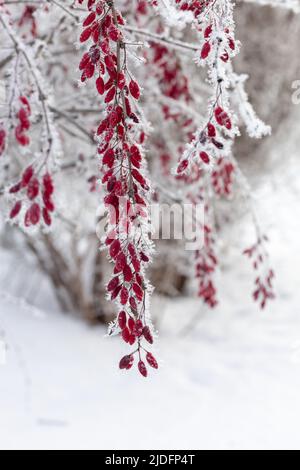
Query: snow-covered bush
x,y
107,106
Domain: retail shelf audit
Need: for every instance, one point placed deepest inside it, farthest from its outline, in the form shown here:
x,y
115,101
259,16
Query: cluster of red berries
x,y
264,290
206,265
210,140
38,196
222,177
133,329
209,44
127,362
23,116
128,284
196,6
173,82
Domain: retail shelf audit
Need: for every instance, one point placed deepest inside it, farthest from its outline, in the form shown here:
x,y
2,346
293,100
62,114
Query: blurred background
x,y
229,378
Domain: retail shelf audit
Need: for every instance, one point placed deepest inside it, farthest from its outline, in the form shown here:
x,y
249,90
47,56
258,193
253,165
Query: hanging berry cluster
x,y
33,198
121,137
258,255
173,82
215,26
222,177
212,143
206,264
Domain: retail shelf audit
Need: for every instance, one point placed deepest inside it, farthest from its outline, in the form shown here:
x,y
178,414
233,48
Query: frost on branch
x,y
255,127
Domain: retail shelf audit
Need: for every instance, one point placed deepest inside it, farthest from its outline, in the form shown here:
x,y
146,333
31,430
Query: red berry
x,y
115,248
127,274
132,339
225,57
89,70
15,189
120,262
48,184
47,217
231,44
147,334
144,258
204,157
205,50
151,360
122,319
208,31
23,117
134,89
113,33
110,95
100,85
113,284
26,177
142,368
33,188
89,19
126,334
182,166
211,130
126,362
139,178
48,203
15,210
131,324
86,34
116,292
124,295
84,61
33,215
109,158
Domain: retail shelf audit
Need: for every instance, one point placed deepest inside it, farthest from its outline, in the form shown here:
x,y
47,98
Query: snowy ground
x,y
231,383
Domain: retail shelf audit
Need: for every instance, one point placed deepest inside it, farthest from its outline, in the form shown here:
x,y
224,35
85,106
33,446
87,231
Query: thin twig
x,y
163,39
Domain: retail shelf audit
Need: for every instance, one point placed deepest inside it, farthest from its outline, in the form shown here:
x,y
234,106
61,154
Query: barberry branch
x,y
127,189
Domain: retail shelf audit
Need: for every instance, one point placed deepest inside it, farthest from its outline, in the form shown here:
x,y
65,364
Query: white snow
x,y
232,382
